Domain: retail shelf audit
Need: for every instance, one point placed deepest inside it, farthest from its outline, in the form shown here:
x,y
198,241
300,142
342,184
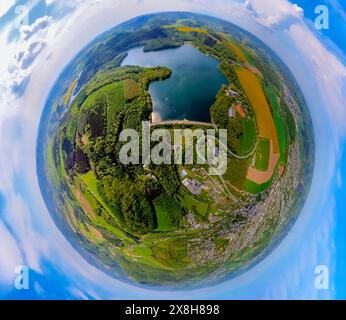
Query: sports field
x,y
262,155
249,136
259,176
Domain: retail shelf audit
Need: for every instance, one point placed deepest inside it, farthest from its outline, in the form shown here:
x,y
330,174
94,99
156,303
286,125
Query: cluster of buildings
x,y
234,94
230,92
194,186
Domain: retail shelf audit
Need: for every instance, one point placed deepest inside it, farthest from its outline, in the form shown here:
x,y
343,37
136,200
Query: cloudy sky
x,y
38,38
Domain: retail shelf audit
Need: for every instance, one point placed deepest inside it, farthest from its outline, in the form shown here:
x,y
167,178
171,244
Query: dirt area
x,y
84,204
281,170
253,69
261,177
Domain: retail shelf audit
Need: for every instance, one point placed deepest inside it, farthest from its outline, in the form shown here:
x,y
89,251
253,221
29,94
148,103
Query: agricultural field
x,y
90,182
266,129
261,177
255,188
69,92
279,121
192,204
131,89
262,155
258,100
237,50
190,29
249,137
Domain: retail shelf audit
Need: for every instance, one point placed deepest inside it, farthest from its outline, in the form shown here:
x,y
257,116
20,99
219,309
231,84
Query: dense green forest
x,y
94,143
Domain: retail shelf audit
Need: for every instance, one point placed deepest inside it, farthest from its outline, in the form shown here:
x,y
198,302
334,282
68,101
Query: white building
x,y
233,93
194,186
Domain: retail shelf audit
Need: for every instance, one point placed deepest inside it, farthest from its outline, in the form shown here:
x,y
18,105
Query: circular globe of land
x,y
173,223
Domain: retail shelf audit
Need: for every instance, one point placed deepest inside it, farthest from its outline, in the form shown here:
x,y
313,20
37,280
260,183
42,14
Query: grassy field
x,y
258,100
91,205
249,58
192,204
249,137
160,261
168,213
90,182
51,165
144,255
262,154
158,254
254,188
115,94
131,89
279,122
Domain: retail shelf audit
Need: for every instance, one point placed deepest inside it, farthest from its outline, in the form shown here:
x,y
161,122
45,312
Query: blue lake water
x,y
192,88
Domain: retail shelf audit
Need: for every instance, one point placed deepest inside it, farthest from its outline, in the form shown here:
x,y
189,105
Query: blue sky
x,y
337,34
28,235
337,30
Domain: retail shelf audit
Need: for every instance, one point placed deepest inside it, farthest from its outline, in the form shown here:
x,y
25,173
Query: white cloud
x,y
27,57
10,256
20,57
276,15
328,69
300,10
250,7
49,2
39,25
6,5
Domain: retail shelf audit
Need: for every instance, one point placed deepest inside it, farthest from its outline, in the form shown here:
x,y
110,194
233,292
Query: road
x,y
183,122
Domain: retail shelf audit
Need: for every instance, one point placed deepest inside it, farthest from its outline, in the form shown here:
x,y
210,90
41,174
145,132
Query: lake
x,y
192,88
